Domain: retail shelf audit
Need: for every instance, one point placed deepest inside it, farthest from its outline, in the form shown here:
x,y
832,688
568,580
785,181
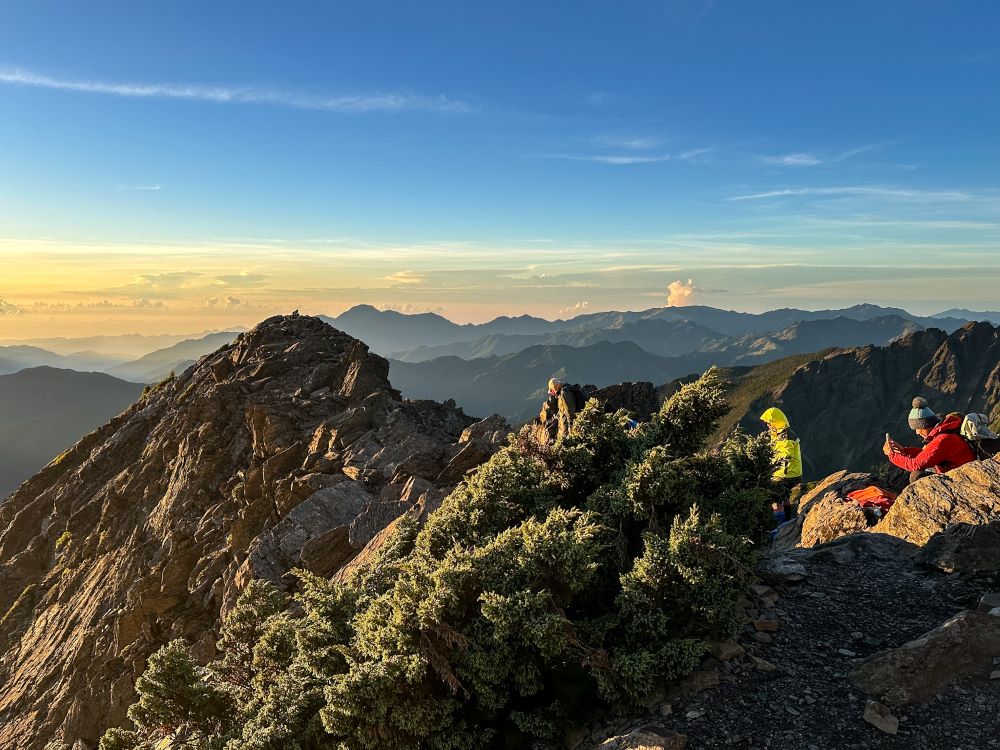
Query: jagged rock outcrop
x,y
642,400
287,448
842,404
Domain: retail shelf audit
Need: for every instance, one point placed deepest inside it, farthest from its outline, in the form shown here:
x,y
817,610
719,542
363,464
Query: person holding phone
x,y
944,447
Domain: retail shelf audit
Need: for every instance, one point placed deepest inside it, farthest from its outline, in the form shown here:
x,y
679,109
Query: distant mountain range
x,y
149,368
666,332
398,335
15,358
513,384
988,316
44,410
122,347
155,366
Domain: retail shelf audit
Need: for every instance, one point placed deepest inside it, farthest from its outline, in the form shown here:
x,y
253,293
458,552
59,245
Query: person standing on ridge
x,y
944,447
788,452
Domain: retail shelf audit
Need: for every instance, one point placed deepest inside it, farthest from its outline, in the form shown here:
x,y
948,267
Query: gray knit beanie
x,y
921,417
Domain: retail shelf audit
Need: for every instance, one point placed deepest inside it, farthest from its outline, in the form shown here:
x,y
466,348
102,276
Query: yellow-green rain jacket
x,y
785,443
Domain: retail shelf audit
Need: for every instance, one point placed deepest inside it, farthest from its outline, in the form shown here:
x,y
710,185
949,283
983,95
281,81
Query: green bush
x,y
64,540
555,580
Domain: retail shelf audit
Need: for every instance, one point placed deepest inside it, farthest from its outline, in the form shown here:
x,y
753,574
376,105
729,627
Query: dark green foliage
x,y
555,579
176,700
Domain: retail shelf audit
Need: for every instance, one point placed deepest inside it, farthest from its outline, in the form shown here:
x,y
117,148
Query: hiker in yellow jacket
x,y
788,452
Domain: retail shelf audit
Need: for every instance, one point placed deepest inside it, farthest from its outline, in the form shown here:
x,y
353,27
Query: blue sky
x,y
480,159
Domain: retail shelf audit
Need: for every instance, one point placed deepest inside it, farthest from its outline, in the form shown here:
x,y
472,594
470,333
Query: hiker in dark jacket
x,y
944,448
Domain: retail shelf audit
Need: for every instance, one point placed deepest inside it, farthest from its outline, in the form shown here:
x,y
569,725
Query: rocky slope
x,y
842,404
288,448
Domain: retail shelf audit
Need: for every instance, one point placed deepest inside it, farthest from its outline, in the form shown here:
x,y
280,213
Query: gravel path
x,y
844,611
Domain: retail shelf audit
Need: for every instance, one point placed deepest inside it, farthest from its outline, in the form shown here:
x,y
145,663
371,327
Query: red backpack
x,y
873,497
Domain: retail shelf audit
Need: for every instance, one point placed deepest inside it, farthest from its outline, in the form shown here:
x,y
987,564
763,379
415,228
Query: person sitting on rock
x,y
944,447
788,452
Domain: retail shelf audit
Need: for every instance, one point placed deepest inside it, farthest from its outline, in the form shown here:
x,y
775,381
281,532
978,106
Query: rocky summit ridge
x,y
287,448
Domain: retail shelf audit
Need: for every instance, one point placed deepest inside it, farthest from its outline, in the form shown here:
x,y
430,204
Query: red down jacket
x,y
944,449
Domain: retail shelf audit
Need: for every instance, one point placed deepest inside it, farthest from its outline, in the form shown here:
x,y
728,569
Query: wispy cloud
x,y
243,278
227,302
405,278
140,188
139,303
343,103
791,160
955,196
811,159
630,158
636,142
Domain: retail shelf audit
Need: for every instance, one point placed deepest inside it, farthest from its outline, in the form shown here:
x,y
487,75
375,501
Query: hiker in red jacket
x,y
944,448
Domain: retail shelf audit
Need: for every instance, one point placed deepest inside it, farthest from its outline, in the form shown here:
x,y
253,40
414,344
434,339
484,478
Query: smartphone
x,y
888,441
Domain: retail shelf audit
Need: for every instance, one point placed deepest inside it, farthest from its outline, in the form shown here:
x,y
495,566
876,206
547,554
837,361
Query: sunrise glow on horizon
x,y
479,162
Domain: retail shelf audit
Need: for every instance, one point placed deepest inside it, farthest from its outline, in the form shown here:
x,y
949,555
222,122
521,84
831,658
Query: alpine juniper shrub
x,y
598,446
244,627
553,581
688,419
501,493
177,701
716,568
658,487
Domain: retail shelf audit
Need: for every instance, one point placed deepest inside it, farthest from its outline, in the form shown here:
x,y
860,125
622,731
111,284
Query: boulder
x,y
964,548
646,738
916,671
969,494
880,717
777,569
864,544
469,457
823,514
494,430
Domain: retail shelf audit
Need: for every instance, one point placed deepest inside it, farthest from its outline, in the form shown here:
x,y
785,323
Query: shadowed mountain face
x,y
842,404
44,410
287,448
514,384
